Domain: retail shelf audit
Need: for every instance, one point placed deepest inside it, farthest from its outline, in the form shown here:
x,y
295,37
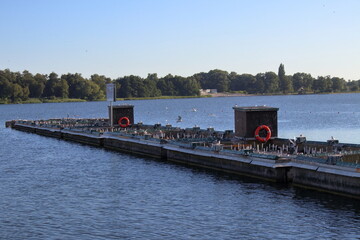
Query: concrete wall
x,y
134,146
327,179
265,169
324,177
83,138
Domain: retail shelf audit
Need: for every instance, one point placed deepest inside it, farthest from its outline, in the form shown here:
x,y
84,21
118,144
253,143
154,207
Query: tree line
x,y
17,86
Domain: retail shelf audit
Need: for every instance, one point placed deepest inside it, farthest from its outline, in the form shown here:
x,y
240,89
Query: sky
x,y
116,38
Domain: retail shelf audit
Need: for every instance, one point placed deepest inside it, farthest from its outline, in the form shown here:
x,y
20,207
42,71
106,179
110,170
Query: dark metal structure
x,y
247,119
120,111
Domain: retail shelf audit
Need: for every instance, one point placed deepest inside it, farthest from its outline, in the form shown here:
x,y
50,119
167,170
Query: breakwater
x,y
327,166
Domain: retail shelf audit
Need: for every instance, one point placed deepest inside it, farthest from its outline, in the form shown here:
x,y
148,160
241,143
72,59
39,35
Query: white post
x,y
110,97
111,116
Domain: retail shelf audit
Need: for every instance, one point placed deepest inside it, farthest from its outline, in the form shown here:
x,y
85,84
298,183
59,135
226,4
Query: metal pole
x,y
111,115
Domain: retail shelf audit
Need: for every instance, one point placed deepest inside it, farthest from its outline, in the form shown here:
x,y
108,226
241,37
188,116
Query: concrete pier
x,y
154,141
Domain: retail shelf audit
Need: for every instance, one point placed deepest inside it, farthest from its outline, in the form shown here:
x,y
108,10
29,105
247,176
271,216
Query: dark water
x,y
52,189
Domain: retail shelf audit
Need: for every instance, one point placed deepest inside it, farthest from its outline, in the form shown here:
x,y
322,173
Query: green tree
x,y
285,83
131,86
258,85
92,91
271,82
5,88
191,87
17,92
101,81
51,83
351,85
166,86
10,76
152,77
25,93
243,82
37,86
61,89
202,79
303,82
338,84
219,80
76,85
214,79
179,86
150,84
323,84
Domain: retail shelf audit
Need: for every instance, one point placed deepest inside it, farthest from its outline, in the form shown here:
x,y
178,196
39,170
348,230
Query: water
x,y
53,189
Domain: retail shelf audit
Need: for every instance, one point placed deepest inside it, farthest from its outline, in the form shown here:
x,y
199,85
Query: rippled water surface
x,y
53,189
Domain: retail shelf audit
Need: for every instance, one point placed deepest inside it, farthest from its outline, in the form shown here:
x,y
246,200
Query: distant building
x,y
207,91
213,90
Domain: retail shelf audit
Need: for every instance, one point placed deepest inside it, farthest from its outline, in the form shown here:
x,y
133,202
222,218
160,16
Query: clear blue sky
x,y
182,37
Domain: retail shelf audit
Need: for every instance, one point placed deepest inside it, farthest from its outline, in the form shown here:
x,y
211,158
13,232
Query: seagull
x,y
179,119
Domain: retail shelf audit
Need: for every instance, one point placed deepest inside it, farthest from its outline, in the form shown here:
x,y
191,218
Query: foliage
x,y
214,79
25,87
285,83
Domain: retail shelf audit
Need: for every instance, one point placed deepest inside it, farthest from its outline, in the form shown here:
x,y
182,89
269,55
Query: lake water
x,y
53,189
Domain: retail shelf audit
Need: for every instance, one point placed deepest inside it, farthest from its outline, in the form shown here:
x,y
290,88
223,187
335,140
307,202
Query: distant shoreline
x,y
273,94
208,95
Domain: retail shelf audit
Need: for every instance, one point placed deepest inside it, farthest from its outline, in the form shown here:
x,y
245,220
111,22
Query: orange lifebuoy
x,y
268,133
126,124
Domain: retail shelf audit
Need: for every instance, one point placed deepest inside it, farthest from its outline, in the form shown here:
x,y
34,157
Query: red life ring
x,y
124,125
268,133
